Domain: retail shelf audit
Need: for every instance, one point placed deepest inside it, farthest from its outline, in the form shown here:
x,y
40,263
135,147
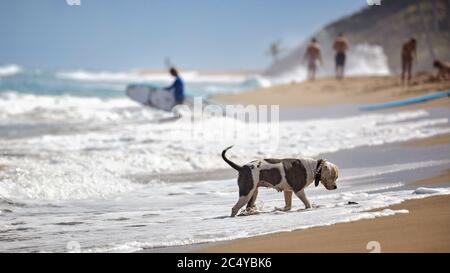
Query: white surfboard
x,y
151,96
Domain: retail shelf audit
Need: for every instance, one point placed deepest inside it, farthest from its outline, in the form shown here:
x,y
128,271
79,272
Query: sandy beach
x,y
426,228
329,91
136,133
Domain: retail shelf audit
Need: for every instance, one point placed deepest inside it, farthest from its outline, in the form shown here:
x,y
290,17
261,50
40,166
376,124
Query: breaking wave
x,y
10,70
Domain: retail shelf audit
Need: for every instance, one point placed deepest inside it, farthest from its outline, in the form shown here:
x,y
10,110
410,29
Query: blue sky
x,y
125,34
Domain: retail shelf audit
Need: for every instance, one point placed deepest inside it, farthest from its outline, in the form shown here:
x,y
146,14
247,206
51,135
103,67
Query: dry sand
x,y
329,91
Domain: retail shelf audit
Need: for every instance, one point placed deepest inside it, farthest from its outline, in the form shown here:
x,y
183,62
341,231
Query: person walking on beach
x,y
312,56
340,46
409,54
177,86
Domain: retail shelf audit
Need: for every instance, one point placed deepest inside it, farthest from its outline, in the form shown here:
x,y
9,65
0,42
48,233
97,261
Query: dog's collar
x,y
318,172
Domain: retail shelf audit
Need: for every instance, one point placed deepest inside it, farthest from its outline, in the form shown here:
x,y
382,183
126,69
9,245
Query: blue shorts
x,y
340,59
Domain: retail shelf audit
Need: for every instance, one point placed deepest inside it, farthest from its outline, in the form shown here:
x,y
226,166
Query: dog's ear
x,y
318,175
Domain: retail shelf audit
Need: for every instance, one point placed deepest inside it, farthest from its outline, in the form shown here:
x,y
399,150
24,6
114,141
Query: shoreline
x,y
393,232
340,237
398,233
359,160
423,229
425,177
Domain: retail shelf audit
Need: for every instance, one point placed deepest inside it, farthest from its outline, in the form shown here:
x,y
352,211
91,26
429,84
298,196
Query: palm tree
x,y
275,50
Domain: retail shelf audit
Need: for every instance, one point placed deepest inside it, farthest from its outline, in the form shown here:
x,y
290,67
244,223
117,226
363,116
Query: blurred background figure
x,y
340,46
409,55
443,70
177,86
313,55
275,51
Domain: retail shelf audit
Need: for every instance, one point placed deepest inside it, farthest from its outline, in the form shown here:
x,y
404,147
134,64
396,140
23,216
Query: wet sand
x,y
443,177
426,228
437,140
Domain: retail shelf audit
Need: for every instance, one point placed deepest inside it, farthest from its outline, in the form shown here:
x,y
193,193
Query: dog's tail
x,y
231,163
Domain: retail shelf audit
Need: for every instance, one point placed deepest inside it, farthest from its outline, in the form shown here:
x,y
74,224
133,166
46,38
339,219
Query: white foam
x,y
70,180
206,225
139,76
424,190
108,139
9,70
362,59
70,109
366,59
164,214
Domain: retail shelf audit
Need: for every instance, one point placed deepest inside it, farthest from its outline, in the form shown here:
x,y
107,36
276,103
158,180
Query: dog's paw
x,y
249,211
285,209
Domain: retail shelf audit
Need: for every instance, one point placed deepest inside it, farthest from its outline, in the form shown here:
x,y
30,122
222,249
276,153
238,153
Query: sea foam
x,y
111,139
10,70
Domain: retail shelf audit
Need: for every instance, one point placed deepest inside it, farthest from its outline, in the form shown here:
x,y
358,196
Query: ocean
x,y
83,168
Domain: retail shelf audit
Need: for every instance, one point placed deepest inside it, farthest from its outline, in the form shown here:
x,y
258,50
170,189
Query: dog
x,y
443,70
289,175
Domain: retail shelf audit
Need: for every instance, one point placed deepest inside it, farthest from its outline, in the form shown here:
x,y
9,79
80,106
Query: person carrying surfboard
x,y
177,86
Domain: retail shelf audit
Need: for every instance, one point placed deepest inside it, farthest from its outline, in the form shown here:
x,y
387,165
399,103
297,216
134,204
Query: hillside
x,y
388,26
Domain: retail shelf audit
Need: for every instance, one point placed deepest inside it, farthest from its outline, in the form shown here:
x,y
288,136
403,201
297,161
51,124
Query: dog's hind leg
x,y
241,202
301,194
251,203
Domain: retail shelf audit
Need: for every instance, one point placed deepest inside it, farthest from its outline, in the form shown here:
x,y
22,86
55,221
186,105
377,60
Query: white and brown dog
x,y
287,175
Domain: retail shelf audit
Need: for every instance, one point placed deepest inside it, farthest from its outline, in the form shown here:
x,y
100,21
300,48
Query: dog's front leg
x,y
287,200
301,194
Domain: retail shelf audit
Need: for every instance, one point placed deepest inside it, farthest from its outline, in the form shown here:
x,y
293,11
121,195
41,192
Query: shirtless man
x,y
409,54
312,55
340,46
443,70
